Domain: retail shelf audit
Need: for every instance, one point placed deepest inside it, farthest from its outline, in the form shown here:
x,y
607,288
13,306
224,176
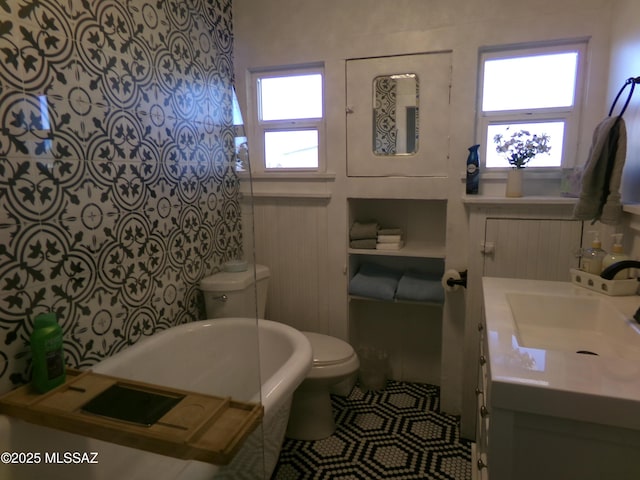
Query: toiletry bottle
x,y
48,369
473,170
616,255
592,257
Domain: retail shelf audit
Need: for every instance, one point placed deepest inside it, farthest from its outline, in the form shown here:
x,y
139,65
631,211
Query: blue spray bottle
x,y
473,170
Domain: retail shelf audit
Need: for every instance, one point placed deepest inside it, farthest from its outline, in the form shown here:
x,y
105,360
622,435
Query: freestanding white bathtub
x,y
219,357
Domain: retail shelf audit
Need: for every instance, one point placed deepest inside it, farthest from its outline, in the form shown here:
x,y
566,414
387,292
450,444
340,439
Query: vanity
x,y
558,391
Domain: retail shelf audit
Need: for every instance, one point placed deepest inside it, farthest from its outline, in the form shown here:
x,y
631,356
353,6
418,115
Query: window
x,y
289,107
533,89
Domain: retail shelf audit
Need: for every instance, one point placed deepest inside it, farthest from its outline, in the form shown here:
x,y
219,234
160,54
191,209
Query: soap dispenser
x,y
592,257
616,255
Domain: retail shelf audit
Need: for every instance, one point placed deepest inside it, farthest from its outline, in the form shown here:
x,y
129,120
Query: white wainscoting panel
x,y
531,248
291,239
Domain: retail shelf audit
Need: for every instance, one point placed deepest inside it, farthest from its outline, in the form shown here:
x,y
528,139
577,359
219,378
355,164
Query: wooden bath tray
x,y
198,427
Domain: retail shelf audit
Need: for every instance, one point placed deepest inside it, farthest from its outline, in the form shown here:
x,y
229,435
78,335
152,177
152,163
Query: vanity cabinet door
x,y
538,249
480,465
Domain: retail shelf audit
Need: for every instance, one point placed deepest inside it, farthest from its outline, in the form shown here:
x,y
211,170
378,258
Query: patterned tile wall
x,y
116,194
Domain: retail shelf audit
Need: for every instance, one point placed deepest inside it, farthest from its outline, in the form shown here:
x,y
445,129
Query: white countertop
x,y
599,389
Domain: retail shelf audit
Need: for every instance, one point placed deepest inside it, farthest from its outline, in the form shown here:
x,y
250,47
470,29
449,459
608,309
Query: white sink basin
x,y
585,325
534,329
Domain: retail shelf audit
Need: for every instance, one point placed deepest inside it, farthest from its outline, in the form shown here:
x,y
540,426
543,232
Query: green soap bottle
x,y
48,369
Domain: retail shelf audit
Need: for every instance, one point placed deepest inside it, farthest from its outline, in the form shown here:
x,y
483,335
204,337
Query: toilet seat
x,y
328,350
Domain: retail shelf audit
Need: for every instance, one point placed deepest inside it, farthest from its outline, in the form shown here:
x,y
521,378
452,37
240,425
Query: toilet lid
x,y
328,350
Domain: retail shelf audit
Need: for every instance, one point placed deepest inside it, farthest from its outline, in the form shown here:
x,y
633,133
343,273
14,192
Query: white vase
x,y
514,182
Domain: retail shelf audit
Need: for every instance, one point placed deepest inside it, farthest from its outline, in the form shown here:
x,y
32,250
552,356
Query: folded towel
x,y
390,246
389,238
363,243
361,230
600,196
389,231
420,287
374,281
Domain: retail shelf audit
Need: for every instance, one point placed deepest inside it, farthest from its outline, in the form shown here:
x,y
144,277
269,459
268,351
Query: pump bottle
x,y
592,258
617,255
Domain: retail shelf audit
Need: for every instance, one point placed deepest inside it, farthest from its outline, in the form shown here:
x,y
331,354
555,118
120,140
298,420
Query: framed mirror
x,y
396,114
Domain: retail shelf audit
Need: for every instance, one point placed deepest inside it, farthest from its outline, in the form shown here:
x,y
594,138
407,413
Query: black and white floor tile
x,y
397,433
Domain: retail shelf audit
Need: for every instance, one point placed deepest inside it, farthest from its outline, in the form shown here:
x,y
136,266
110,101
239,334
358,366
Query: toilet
x,y
334,370
230,293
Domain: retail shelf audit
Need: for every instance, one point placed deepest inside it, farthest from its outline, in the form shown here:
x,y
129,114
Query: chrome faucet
x,y
610,272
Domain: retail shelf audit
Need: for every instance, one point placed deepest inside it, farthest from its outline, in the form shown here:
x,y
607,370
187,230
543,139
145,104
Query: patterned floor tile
x,y
398,433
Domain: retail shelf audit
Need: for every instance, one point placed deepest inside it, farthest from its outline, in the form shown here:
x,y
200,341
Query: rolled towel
x,y
390,246
374,281
363,243
389,238
420,287
362,230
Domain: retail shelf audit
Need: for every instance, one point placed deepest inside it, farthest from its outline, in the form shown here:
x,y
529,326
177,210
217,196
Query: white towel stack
x,y
389,239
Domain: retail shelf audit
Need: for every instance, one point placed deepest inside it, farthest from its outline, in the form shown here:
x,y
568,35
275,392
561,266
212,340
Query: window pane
x,y
555,130
291,149
288,98
540,81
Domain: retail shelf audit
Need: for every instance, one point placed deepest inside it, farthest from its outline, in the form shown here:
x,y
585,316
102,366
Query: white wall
x,y
290,32
625,63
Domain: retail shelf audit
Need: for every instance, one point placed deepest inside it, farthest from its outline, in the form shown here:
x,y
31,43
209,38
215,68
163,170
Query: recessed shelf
x,y
410,249
408,302
481,200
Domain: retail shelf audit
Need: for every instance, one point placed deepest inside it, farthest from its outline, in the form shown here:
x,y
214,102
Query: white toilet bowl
x,y
334,362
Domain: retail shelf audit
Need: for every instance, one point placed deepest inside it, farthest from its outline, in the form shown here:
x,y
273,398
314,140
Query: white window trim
x,y
571,115
256,132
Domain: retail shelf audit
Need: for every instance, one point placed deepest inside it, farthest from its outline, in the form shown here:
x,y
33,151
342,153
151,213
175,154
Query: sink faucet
x,y
610,272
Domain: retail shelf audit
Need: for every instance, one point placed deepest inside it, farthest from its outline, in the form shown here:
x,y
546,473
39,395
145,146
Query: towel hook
x,y
630,81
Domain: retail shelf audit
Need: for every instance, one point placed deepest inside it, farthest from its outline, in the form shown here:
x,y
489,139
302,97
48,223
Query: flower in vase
x,y
521,147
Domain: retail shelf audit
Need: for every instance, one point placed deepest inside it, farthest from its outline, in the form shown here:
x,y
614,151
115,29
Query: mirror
x,y
395,114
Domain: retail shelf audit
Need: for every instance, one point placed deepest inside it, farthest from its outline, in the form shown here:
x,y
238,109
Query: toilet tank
x,y
234,294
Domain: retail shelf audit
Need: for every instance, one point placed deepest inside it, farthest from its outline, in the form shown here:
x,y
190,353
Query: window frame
x,y
570,115
263,126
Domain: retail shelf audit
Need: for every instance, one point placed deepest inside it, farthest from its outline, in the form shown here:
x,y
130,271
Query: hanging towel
x,y
600,193
362,230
